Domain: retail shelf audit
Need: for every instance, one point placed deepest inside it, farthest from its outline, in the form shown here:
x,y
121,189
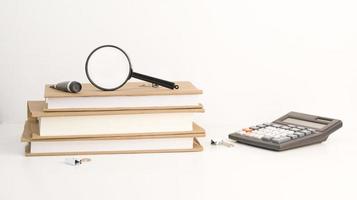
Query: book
x,y
133,95
111,122
137,118
196,131
109,145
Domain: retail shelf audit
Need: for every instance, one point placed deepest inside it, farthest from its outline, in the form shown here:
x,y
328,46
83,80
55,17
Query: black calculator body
x,y
289,131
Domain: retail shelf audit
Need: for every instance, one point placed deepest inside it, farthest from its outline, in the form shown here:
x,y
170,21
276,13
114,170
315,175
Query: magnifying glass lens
x,y
108,68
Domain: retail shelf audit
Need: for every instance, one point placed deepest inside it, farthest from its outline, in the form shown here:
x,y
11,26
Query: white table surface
x,y
323,171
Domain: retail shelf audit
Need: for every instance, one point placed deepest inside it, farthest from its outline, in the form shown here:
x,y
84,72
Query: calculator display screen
x,y
304,123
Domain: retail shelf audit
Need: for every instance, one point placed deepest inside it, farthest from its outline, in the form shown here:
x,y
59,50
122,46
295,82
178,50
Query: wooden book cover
x,y
196,147
132,96
28,137
129,89
37,109
31,133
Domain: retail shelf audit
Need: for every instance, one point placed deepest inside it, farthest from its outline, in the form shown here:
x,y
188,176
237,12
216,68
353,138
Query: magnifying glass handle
x,y
163,83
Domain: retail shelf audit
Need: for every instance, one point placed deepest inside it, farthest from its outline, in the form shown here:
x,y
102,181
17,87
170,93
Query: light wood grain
x,y
129,89
37,109
31,133
46,109
196,147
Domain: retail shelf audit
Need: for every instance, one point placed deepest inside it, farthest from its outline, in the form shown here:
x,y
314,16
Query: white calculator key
x,y
254,127
258,136
252,135
267,138
300,134
306,132
292,136
276,125
280,140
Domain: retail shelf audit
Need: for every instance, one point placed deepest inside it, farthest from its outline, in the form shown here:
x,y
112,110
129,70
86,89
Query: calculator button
x,y
281,139
276,125
299,134
248,133
254,128
276,136
310,129
300,127
292,136
247,130
261,126
292,126
306,132
285,127
267,138
256,135
295,129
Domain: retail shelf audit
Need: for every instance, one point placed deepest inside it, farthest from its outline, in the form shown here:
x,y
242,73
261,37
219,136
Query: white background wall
x,y
255,60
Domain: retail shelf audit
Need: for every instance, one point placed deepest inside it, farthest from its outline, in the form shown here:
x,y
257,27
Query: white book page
x,y
123,101
115,124
111,145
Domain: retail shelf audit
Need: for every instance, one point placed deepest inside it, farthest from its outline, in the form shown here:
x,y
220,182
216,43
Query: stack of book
x,y
136,118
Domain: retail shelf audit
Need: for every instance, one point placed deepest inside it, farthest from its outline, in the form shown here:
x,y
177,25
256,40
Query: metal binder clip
x,y
76,161
222,142
153,85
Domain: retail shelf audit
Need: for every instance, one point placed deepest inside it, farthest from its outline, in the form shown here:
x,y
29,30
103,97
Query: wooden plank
x,y
129,89
37,109
196,147
31,129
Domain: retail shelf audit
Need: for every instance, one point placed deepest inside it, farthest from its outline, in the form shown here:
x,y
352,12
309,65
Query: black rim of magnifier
x,y
108,89
155,81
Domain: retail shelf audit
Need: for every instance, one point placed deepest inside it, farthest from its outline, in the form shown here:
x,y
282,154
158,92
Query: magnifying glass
x,y
108,68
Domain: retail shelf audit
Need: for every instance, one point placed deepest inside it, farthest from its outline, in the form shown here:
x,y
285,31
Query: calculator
x,y
289,131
